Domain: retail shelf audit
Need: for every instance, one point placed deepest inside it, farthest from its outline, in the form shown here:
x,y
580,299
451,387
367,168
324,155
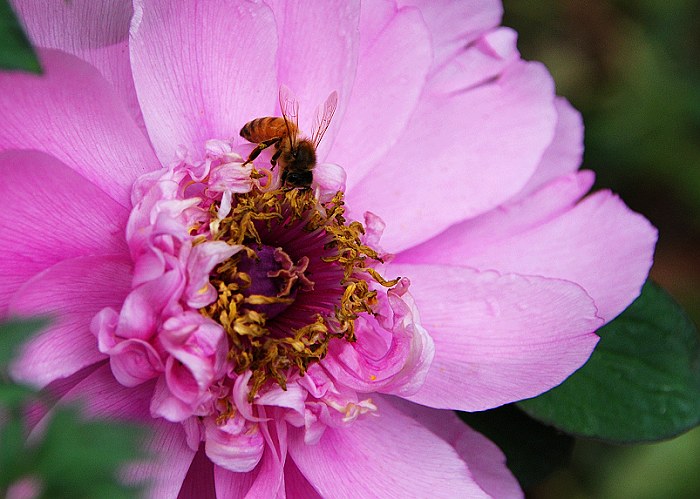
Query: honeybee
x,y
295,154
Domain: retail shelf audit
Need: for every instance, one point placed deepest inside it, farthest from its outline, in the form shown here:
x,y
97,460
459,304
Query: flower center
x,y
300,280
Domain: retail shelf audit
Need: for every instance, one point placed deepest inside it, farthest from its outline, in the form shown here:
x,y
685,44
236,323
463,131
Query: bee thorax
x,y
303,157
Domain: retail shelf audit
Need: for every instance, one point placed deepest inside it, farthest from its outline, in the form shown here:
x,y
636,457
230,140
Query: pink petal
x,y
485,460
96,31
233,446
170,463
27,487
479,234
170,459
101,396
204,257
498,338
460,156
329,178
296,485
72,113
142,309
453,25
165,405
264,481
393,353
477,63
317,54
134,362
232,485
374,18
202,70
399,54
199,482
71,292
382,456
599,243
55,391
564,154
50,213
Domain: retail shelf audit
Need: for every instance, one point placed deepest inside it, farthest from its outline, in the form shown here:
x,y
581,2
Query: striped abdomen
x,y
262,129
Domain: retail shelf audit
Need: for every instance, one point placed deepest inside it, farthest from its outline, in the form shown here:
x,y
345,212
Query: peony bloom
x,y
303,342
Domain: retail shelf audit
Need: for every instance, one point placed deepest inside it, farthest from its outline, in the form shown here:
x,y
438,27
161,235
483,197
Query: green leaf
x,y
532,449
13,333
15,50
80,458
12,453
642,382
13,396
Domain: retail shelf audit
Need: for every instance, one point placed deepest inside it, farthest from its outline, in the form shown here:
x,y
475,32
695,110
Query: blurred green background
x,y
632,67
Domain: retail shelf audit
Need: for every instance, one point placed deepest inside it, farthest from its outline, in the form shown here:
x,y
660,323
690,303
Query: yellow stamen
x,y
252,345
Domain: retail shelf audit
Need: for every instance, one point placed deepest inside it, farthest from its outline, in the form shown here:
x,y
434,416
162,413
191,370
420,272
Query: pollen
x,y
301,281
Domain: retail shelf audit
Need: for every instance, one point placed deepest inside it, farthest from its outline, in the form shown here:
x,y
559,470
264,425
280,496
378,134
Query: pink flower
x,y
260,331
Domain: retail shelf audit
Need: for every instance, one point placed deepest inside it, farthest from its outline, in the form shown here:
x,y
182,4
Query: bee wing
x,y
290,112
323,118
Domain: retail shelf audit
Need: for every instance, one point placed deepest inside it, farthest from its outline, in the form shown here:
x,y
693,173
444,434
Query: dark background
x,y
632,67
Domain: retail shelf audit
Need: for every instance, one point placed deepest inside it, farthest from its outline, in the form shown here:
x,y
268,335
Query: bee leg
x,y
260,148
273,159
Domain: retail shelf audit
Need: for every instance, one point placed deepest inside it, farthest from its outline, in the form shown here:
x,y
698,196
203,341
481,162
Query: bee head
x,y
302,178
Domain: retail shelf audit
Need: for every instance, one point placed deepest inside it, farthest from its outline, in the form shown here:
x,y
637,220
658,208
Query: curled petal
x,y
134,361
329,178
166,405
197,349
200,262
141,311
234,445
393,352
231,177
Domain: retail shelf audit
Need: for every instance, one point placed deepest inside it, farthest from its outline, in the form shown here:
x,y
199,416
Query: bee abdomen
x,y
262,129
